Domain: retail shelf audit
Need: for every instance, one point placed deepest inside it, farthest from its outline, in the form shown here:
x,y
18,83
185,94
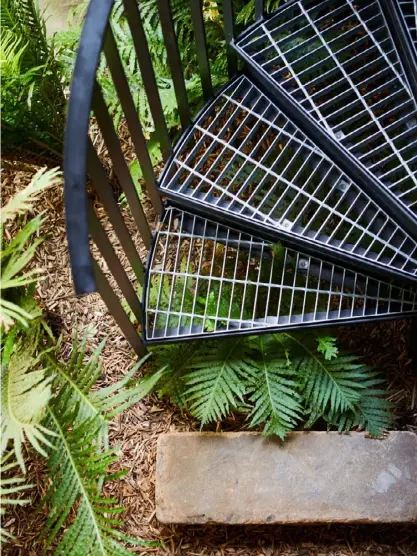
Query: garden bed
x,y
136,431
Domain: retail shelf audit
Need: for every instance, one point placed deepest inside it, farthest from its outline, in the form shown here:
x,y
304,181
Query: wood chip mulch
x,y
136,431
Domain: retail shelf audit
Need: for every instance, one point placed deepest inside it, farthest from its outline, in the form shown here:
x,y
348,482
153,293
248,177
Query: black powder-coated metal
x,y
174,60
121,169
244,162
76,144
334,69
207,280
402,38
135,127
113,304
229,33
101,239
102,186
408,10
259,9
201,47
148,76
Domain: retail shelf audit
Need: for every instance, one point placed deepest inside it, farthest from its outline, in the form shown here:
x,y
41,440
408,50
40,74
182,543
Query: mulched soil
x,y
137,430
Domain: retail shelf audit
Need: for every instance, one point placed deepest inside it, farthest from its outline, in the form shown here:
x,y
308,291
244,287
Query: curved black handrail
x,y
94,40
76,144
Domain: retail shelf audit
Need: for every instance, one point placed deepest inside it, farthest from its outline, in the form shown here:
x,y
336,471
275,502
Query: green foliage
x,y
246,13
66,43
16,302
283,380
273,389
32,103
25,393
10,487
217,380
327,346
54,405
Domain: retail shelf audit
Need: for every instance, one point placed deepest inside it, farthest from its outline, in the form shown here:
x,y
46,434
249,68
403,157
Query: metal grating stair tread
x,y
409,12
245,162
207,280
290,201
339,63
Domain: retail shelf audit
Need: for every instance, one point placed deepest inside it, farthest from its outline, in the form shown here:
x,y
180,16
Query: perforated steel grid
x,y
245,160
409,11
205,279
338,60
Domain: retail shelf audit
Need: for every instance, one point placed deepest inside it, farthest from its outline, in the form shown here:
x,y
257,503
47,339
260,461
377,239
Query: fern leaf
x,y
216,382
327,346
24,200
24,395
328,385
76,377
75,472
177,359
373,412
124,398
274,389
10,486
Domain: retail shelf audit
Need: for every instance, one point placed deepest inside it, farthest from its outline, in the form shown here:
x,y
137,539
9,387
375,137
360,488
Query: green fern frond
x,y
373,412
9,488
328,385
75,378
177,359
80,458
75,468
274,394
216,382
25,393
115,399
327,346
18,253
24,200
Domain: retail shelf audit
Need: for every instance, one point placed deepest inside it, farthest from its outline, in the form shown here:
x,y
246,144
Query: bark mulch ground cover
x,y
136,431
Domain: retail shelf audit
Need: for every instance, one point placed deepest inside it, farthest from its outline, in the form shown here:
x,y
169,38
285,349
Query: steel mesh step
x,y
246,163
409,12
338,61
205,279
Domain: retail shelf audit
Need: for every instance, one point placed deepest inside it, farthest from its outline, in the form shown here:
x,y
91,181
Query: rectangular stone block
x,y
313,477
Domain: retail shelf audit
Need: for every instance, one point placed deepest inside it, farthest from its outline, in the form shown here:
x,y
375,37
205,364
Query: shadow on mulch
x,y
296,540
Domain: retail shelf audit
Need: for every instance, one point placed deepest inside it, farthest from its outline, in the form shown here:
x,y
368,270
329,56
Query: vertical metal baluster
x,y
201,47
229,33
259,9
114,306
102,241
102,186
174,61
148,76
121,169
132,118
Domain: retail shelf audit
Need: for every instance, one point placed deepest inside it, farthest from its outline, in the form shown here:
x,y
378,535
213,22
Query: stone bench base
x,y
314,477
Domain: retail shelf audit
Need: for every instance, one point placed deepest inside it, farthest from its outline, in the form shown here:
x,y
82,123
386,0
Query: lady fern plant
x,y
54,407
33,101
281,381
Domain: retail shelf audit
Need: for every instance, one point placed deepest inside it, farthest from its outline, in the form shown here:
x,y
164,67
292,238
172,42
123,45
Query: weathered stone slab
x,y
312,477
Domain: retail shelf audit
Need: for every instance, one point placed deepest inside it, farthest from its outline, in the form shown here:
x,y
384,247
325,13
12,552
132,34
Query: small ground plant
x,y
53,406
280,381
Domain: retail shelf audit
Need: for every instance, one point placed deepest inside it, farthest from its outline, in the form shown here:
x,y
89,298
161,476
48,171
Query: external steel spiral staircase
x,y
289,200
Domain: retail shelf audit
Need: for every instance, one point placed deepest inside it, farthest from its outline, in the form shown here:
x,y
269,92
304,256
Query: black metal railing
x,y
335,202
81,161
